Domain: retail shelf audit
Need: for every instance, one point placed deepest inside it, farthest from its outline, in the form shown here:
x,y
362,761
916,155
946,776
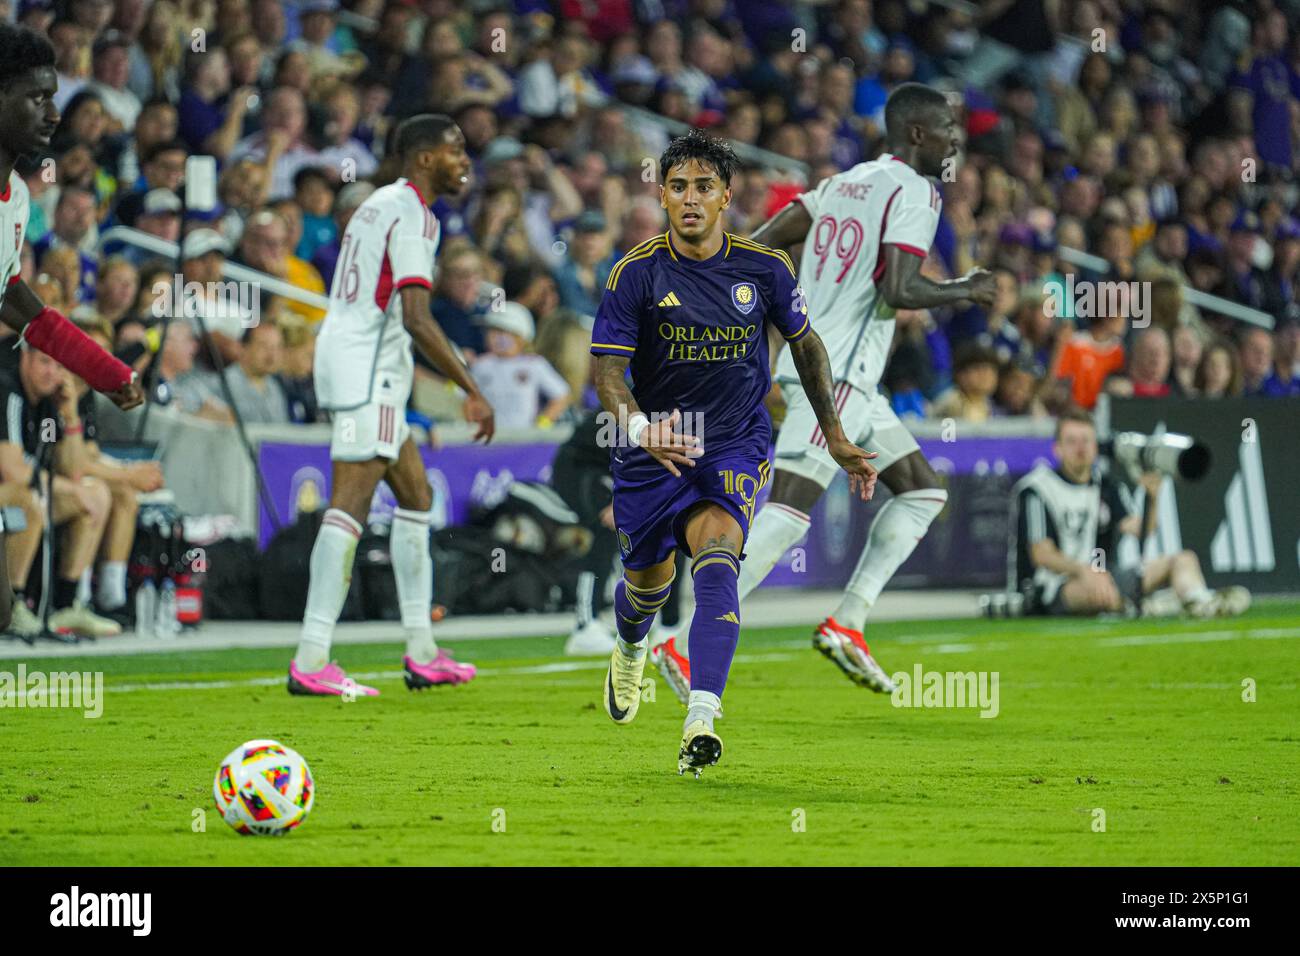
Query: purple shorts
x,y
651,505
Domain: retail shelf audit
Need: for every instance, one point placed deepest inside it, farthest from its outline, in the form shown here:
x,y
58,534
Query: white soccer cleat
x,y
1231,601
83,622
593,639
847,650
622,694
701,748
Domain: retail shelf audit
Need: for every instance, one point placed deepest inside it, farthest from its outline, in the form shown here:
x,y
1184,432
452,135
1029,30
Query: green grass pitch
x,y
1144,721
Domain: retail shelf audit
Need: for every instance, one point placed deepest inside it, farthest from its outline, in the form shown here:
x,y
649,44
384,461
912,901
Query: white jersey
x,y
517,386
390,242
855,214
15,204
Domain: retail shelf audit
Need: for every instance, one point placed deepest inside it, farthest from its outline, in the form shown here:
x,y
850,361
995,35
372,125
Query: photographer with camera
x,y
1069,526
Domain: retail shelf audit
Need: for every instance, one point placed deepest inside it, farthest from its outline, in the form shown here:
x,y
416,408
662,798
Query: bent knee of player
x,y
794,491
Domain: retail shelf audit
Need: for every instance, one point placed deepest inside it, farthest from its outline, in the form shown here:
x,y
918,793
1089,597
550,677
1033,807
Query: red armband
x,y
53,334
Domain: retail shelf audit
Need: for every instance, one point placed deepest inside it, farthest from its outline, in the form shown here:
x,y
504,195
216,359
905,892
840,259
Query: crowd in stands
x,y
1162,136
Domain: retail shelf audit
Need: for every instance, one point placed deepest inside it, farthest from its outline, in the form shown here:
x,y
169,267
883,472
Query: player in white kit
x,y
865,234
364,369
28,117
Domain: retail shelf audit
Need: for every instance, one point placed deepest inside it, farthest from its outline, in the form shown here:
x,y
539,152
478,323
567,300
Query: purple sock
x,y
634,609
715,629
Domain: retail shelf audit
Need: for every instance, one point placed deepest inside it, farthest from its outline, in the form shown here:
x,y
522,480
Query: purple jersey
x,y
695,332
696,335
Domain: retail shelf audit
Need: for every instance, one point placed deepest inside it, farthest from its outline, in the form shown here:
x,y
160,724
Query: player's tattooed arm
x,y
814,368
660,438
611,386
787,229
905,288
432,341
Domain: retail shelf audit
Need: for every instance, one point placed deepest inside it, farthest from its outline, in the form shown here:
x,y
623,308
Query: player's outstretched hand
x,y
479,412
856,461
128,396
668,446
983,287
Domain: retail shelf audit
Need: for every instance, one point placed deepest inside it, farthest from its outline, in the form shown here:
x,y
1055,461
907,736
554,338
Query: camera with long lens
x,y
1169,453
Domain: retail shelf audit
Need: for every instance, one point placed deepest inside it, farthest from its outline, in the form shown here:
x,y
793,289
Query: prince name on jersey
x,y
695,333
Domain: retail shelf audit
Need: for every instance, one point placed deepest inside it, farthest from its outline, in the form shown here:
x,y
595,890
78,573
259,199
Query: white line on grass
x,y
559,667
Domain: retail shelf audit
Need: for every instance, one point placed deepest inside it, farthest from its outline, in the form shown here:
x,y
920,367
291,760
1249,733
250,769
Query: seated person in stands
x,y
125,481
174,381
256,391
43,426
526,391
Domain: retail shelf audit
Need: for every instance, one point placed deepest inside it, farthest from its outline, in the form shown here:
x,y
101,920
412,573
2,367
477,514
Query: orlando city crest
x,y
743,297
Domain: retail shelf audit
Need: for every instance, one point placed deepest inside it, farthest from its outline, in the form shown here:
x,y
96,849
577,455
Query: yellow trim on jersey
x,y
791,338
645,249
727,235
669,243
611,345
766,250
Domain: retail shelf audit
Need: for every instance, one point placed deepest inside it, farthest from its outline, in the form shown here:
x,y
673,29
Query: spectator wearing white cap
x,y
523,388
203,256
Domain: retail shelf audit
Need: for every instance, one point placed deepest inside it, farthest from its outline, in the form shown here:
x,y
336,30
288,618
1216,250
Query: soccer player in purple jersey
x,y
686,313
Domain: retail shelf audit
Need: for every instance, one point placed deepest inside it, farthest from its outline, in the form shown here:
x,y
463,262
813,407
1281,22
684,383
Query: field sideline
x,y
1144,721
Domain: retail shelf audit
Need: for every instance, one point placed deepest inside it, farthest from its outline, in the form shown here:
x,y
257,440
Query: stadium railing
x,y
168,251
1202,300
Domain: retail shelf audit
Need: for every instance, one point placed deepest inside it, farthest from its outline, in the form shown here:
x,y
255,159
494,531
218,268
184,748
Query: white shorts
x,y
376,429
868,421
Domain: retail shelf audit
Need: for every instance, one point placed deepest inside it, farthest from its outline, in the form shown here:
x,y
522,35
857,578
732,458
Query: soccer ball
x,y
263,788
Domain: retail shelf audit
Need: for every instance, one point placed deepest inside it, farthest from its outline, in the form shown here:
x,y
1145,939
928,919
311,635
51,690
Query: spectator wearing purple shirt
x,y
211,116
1274,85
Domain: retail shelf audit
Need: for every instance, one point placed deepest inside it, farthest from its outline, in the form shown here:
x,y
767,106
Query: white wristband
x,y
636,426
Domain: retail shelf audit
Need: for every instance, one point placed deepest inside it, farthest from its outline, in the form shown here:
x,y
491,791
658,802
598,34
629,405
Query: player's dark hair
x,y
699,145
908,104
423,131
1072,414
21,51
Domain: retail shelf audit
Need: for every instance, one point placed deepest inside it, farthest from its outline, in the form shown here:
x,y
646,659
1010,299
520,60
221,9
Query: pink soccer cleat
x,y
441,670
329,681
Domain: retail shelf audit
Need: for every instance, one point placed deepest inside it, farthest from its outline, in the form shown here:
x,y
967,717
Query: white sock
x,y
331,574
702,705
633,651
83,588
775,531
110,593
413,568
894,534
585,594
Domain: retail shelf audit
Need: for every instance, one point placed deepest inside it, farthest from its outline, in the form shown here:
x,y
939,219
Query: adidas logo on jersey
x,y
669,300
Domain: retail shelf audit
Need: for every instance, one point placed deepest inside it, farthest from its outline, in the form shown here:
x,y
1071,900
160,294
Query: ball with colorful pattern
x,y
263,788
